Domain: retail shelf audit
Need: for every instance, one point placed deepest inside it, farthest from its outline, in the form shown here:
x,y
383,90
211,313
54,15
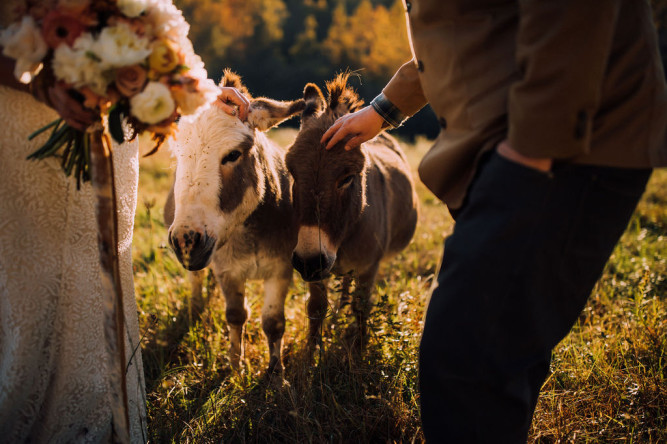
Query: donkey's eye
x,y
231,157
345,181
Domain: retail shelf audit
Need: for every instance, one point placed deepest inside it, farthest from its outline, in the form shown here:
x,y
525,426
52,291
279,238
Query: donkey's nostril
x,y
193,248
317,263
313,268
173,242
297,263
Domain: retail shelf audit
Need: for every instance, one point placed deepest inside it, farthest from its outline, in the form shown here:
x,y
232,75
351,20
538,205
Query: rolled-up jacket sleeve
x,y
562,52
404,90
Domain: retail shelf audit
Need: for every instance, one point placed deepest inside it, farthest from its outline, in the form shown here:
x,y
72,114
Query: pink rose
x,y
130,80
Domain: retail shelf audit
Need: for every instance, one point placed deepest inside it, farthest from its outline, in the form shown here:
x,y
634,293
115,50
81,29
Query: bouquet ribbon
x,y
102,178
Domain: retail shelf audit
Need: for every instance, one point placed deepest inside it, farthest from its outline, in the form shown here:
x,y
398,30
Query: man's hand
x,y
538,163
232,95
363,125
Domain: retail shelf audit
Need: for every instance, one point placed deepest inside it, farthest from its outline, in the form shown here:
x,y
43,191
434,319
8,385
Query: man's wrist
x,y
389,112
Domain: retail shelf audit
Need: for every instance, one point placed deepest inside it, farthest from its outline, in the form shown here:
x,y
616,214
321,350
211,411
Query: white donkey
x,y
230,208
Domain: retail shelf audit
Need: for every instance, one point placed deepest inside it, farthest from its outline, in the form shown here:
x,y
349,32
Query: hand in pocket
x,y
538,163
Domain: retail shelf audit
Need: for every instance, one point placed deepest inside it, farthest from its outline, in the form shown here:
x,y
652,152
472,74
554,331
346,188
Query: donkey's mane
x,y
342,95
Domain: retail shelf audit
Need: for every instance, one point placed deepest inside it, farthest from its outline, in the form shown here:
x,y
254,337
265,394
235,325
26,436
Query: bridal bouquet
x,y
128,60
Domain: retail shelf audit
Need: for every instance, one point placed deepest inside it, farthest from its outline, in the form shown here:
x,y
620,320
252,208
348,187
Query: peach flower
x,y
59,28
192,94
130,80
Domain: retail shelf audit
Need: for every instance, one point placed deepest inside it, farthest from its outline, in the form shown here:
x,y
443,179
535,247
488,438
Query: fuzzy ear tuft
x,y
342,98
266,113
314,100
231,79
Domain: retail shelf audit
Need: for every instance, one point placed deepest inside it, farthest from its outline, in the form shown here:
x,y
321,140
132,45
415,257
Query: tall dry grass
x,y
607,379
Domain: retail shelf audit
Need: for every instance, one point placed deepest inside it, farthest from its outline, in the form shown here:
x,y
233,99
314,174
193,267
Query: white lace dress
x,y
54,384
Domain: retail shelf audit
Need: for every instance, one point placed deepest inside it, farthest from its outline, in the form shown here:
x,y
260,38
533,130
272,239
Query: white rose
x,y
23,42
132,8
167,21
193,62
153,104
78,66
119,46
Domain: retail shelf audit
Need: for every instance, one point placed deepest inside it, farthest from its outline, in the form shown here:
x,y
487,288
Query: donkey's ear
x,y
342,98
231,79
266,113
314,99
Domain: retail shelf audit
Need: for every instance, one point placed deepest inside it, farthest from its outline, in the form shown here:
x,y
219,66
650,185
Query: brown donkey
x,y
353,208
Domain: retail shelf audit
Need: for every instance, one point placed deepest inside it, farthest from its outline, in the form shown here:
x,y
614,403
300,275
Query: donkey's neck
x,y
273,218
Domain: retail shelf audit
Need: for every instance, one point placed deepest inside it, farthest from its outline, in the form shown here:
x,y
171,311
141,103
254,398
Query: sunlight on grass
x,y
607,381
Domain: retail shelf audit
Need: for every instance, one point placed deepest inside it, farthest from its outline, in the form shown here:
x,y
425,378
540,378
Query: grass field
x,y
608,378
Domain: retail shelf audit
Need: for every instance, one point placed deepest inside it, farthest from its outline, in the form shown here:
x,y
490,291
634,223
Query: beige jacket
x,y
574,80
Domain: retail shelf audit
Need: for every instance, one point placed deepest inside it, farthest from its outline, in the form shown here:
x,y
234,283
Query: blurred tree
x,y
390,29
306,43
278,46
373,38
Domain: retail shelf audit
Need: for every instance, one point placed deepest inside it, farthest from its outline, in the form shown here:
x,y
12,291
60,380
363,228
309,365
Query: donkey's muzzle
x,y
313,268
193,249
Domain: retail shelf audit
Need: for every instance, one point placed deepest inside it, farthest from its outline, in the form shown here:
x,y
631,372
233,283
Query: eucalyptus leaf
x,y
116,124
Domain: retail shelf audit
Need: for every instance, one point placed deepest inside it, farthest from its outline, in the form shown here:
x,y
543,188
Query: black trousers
x,y
524,256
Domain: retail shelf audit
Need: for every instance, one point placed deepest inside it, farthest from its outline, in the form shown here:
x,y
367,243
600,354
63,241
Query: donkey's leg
x,y
344,299
317,310
345,292
362,300
196,304
273,318
236,313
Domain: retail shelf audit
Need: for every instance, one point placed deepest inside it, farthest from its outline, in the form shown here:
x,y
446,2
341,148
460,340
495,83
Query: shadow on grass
x,y
334,394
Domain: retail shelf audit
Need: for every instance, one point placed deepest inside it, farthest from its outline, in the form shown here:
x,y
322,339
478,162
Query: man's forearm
x,y
404,90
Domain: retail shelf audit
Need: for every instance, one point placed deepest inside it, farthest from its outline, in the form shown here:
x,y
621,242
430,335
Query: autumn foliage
x,y
280,45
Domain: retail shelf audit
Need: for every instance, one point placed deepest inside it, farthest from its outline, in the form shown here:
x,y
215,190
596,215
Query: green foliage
x,y
607,382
